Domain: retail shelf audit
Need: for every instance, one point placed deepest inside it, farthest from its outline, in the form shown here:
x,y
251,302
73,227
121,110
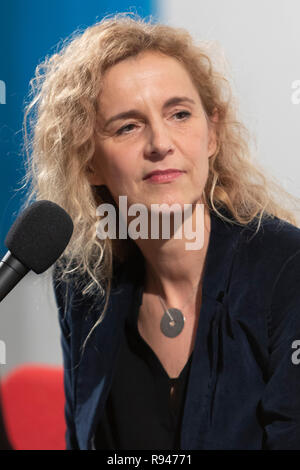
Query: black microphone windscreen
x,y
40,235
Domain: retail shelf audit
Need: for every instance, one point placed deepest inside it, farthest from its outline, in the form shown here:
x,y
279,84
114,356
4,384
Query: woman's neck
x,y
171,271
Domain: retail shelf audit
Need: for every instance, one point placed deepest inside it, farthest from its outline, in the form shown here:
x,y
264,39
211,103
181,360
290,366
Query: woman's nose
x,y
159,140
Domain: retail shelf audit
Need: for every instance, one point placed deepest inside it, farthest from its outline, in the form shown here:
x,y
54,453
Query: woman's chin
x,y
176,203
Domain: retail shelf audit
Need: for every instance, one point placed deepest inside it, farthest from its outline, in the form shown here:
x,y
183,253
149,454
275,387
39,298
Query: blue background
x,y
30,30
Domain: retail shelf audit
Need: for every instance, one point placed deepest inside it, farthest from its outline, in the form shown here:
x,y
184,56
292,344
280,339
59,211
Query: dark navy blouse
x,y
141,412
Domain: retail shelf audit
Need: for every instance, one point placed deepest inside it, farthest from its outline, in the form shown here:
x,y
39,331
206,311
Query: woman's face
x,y
158,133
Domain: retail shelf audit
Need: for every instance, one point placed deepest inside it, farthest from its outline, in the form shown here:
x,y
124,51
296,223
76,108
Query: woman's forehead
x,y
159,76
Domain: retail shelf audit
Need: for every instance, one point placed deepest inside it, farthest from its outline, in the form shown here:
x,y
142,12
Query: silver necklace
x,y
172,322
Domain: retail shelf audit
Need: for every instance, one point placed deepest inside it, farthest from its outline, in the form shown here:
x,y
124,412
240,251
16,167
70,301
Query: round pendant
x,y
169,327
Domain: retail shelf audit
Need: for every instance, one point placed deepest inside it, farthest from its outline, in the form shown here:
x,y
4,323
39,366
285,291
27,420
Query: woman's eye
x,y
123,129
120,131
186,113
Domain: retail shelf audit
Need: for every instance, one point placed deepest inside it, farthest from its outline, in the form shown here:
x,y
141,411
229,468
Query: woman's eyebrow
x,y
134,112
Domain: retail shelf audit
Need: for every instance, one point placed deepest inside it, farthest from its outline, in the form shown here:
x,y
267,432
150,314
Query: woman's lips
x,y
164,177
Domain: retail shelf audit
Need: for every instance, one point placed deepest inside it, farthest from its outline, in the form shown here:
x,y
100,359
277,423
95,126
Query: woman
x,y
121,101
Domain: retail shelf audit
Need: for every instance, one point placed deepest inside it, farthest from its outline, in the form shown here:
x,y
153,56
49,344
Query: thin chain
x,y
166,308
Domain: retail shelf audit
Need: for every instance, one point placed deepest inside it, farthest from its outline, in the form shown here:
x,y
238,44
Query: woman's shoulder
x,y
273,237
268,262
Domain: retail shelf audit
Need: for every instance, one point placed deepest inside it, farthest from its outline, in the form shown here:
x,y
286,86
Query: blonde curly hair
x,y
62,114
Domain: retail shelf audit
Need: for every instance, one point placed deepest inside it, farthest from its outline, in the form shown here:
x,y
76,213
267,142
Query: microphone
x,y
35,241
